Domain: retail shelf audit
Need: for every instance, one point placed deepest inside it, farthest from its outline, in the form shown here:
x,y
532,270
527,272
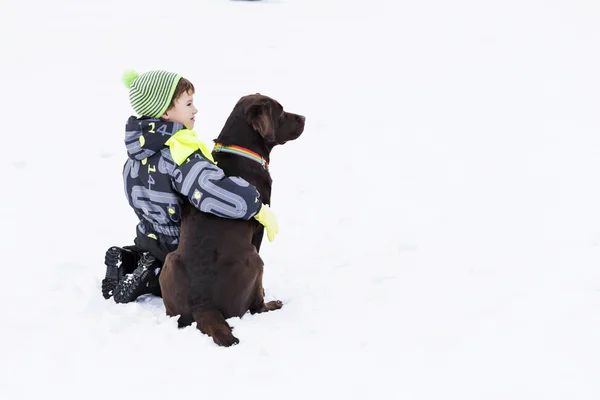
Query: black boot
x,y
119,261
143,280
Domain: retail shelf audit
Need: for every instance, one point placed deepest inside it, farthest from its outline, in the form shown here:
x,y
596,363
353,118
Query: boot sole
x,y
114,272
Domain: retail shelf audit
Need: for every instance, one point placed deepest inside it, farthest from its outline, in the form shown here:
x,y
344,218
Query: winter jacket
x,y
158,180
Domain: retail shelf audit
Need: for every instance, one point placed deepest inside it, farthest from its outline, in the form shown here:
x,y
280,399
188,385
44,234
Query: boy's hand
x,y
266,217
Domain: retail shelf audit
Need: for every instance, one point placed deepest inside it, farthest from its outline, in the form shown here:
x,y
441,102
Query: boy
x,y
168,166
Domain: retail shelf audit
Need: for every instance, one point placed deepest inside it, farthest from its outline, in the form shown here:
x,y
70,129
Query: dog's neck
x,y
242,152
248,169
237,132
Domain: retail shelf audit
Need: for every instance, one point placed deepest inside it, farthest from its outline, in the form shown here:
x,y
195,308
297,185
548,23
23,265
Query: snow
x,y
439,217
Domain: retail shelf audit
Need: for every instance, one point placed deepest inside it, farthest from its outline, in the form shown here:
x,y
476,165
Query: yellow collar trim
x,y
184,143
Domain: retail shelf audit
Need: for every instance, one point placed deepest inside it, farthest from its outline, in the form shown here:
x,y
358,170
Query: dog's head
x,y
270,120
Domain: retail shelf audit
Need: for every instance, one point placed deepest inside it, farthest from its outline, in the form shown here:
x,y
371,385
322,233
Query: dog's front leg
x,y
258,304
211,323
258,237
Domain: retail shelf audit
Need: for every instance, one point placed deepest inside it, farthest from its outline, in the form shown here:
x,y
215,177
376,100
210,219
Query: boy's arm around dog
x,y
205,185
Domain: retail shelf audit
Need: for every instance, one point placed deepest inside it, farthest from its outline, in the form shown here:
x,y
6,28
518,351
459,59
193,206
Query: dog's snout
x,y
301,118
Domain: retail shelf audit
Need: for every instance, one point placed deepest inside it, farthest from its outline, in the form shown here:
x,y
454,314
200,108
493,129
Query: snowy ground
x,y
440,216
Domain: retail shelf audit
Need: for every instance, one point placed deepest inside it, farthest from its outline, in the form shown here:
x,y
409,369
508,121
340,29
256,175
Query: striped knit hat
x,y
151,92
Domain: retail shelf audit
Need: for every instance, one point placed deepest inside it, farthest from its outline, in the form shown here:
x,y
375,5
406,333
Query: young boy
x,y
167,167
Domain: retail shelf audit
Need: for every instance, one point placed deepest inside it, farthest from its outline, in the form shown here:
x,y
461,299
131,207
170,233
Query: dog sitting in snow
x,y
216,271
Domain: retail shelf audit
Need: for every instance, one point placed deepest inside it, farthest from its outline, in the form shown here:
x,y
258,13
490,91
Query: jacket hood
x,y
146,136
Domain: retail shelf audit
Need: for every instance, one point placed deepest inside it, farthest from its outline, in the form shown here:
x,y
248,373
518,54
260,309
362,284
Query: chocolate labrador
x,y
216,271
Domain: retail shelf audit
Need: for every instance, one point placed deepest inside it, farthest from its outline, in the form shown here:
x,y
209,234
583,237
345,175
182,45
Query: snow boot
x,y
143,280
119,261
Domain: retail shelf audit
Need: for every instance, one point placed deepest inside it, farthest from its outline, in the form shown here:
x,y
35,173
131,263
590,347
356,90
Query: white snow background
x,y
439,217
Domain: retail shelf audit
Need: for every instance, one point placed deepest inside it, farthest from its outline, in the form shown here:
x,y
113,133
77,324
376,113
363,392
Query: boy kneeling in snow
x,y
167,167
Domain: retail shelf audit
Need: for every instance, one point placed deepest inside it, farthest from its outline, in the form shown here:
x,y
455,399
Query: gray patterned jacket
x,y
156,187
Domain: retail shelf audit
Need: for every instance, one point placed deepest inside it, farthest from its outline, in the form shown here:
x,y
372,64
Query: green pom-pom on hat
x,y
128,77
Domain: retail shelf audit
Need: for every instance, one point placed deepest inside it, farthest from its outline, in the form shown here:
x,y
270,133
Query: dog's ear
x,y
261,118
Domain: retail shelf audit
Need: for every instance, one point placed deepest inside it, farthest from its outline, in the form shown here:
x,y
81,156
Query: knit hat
x,y
151,92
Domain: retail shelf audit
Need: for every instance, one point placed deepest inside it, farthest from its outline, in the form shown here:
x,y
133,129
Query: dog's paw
x,y
273,305
265,307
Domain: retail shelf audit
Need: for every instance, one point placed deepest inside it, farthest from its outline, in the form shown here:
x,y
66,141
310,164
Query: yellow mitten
x,y
267,218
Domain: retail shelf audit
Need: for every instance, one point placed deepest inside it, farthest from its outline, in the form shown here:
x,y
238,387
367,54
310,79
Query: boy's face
x,y
183,111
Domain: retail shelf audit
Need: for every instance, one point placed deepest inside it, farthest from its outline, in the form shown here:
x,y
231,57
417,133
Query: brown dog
x,y
216,272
